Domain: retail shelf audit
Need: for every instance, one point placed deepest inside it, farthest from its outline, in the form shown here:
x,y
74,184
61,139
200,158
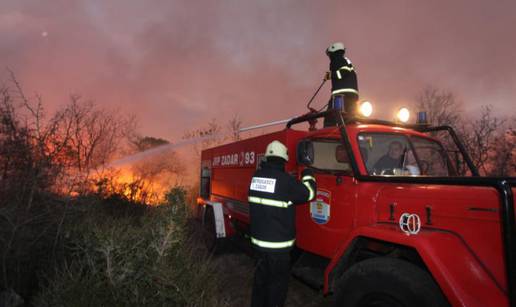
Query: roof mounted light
x,y
403,115
365,109
422,118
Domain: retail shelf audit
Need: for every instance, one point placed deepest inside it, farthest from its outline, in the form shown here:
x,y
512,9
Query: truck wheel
x,y
386,281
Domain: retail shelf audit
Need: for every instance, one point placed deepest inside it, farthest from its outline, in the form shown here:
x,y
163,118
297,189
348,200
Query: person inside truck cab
x,y
272,196
391,160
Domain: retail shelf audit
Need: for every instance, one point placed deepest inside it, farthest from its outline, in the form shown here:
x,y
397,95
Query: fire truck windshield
x,y
387,154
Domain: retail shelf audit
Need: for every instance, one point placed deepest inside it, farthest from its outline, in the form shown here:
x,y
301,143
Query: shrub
x,y
132,262
176,196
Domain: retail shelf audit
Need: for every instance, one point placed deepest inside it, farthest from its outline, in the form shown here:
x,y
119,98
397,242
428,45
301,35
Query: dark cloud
x,y
177,64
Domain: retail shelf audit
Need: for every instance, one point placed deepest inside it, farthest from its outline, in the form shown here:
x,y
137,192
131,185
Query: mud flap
x,y
220,229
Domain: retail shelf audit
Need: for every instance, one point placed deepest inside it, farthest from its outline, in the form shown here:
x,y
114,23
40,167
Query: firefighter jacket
x,y
343,75
272,196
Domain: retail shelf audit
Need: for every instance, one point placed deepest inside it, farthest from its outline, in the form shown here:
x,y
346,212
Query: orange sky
x,y
176,64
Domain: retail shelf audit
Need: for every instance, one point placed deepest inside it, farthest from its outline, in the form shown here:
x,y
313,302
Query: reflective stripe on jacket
x,y
272,196
343,75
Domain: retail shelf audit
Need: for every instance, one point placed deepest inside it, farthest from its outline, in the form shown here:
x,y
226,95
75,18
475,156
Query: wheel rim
x,y
379,299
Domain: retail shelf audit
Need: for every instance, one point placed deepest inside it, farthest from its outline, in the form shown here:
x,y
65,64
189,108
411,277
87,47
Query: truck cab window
x,y
383,154
330,155
392,154
432,157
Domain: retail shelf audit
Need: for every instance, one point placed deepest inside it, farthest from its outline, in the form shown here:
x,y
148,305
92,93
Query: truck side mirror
x,y
305,152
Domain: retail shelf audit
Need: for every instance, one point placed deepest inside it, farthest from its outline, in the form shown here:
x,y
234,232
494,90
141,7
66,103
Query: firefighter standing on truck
x,y
344,85
272,196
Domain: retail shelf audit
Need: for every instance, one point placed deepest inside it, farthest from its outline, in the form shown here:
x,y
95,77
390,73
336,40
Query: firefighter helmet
x,y
335,47
276,149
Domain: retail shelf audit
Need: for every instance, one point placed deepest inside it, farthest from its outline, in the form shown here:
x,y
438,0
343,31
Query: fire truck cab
x,y
392,222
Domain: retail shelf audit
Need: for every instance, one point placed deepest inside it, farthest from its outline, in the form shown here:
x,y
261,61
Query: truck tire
x,y
387,281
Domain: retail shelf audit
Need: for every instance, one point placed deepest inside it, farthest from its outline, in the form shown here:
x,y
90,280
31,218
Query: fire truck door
x,y
326,220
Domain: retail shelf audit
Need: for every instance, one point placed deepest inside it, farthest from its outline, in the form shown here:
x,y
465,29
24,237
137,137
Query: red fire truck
x,y
419,233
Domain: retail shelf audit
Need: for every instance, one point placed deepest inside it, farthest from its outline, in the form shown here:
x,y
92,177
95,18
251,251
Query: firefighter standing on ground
x,y
272,196
344,85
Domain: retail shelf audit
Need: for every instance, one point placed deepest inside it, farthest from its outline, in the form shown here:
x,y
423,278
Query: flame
x,y
138,188
128,183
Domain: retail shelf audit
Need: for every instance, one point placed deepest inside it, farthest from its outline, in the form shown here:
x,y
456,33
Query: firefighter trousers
x,y
271,279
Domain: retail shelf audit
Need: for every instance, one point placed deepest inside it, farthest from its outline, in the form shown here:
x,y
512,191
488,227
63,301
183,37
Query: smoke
x,y
177,64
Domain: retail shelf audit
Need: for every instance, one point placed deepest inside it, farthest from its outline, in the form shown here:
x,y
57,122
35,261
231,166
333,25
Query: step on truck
x,y
416,234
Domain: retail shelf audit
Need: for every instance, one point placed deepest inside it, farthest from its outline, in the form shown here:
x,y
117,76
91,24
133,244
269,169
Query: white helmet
x,y
335,47
276,149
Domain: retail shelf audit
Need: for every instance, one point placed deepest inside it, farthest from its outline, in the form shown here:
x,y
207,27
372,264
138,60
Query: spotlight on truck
x,y
403,115
365,109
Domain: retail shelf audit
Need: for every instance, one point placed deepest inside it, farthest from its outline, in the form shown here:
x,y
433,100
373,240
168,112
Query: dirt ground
x,y
235,267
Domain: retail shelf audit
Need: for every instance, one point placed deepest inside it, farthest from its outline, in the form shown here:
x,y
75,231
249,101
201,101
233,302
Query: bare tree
x,y
29,166
488,139
61,151
442,106
480,137
234,126
30,143
503,156
96,135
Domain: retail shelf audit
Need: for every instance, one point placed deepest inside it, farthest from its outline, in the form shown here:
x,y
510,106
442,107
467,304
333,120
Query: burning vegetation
x,y
75,222
72,152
